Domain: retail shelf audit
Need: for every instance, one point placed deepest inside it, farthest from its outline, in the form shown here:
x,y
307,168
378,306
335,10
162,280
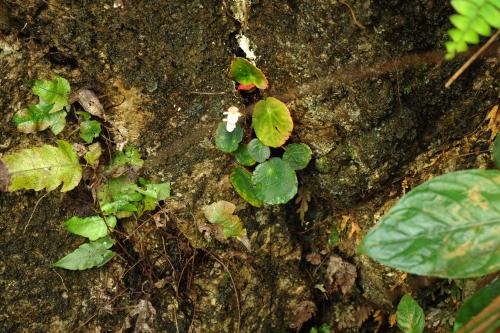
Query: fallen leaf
x,y
340,274
314,258
494,122
304,311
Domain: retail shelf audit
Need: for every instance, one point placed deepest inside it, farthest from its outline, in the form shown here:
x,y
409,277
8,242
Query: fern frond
x,y
474,18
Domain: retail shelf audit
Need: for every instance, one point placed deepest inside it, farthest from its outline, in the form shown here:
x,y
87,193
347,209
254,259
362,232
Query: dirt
x,y
367,94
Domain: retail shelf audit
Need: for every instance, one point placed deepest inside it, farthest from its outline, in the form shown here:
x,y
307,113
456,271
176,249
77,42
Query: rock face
x,y
359,96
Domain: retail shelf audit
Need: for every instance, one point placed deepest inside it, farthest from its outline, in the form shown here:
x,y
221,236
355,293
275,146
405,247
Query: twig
x,y
33,212
473,58
359,24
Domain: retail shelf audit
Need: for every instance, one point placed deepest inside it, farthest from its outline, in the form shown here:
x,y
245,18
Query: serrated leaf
x,y
242,183
127,160
297,156
410,316
44,167
54,92
246,73
37,118
272,122
89,130
447,227
258,151
226,141
88,255
476,303
221,213
496,151
275,182
93,154
92,227
243,156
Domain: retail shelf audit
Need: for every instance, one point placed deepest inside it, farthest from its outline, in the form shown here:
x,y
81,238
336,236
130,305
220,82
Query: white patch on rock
x,y
245,44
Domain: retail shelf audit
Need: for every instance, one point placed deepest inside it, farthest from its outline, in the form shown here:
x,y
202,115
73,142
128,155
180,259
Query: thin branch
x,y
473,58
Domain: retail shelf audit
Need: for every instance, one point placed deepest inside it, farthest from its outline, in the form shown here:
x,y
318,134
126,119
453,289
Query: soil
x,y
365,85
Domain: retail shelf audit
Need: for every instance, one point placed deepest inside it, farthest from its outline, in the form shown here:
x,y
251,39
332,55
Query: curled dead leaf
x,y
314,258
304,311
90,103
340,274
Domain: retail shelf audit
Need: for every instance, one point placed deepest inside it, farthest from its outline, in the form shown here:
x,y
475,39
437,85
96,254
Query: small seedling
x,y
273,180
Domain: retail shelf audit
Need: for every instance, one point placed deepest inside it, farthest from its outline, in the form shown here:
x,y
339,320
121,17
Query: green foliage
x,y
243,155
447,227
324,328
246,73
477,303
242,182
221,213
55,92
40,168
474,18
127,160
38,118
228,141
258,151
93,154
48,113
275,181
88,255
496,151
272,122
297,156
92,227
89,129
410,316
122,197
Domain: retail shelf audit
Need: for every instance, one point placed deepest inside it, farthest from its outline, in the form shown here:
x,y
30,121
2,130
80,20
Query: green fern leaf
x,y
40,168
474,18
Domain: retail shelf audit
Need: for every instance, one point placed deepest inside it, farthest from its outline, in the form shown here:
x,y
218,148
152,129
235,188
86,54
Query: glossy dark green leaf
x,y
272,122
297,155
410,316
242,183
226,141
496,151
258,151
275,182
447,227
244,72
476,303
88,255
243,155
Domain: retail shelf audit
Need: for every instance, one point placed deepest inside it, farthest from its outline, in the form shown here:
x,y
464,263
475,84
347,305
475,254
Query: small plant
x,y
410,316
51,110
273,180
324,328
474,18
48,167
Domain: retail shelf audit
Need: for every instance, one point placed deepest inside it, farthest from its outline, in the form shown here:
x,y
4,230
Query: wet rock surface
x,y
160,69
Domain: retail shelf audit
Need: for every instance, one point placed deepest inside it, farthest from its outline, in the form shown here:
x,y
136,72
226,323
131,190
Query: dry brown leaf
x,y
304,311
314,258
379,318
340,274
494,122
392,320
362,313
303,199
354,229
343,223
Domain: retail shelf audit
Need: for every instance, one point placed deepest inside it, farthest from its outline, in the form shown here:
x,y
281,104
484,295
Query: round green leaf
x,y
410,316
228,141
243,155
242,183
244,72
447,227
272,122
275,182
258,151
297,155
